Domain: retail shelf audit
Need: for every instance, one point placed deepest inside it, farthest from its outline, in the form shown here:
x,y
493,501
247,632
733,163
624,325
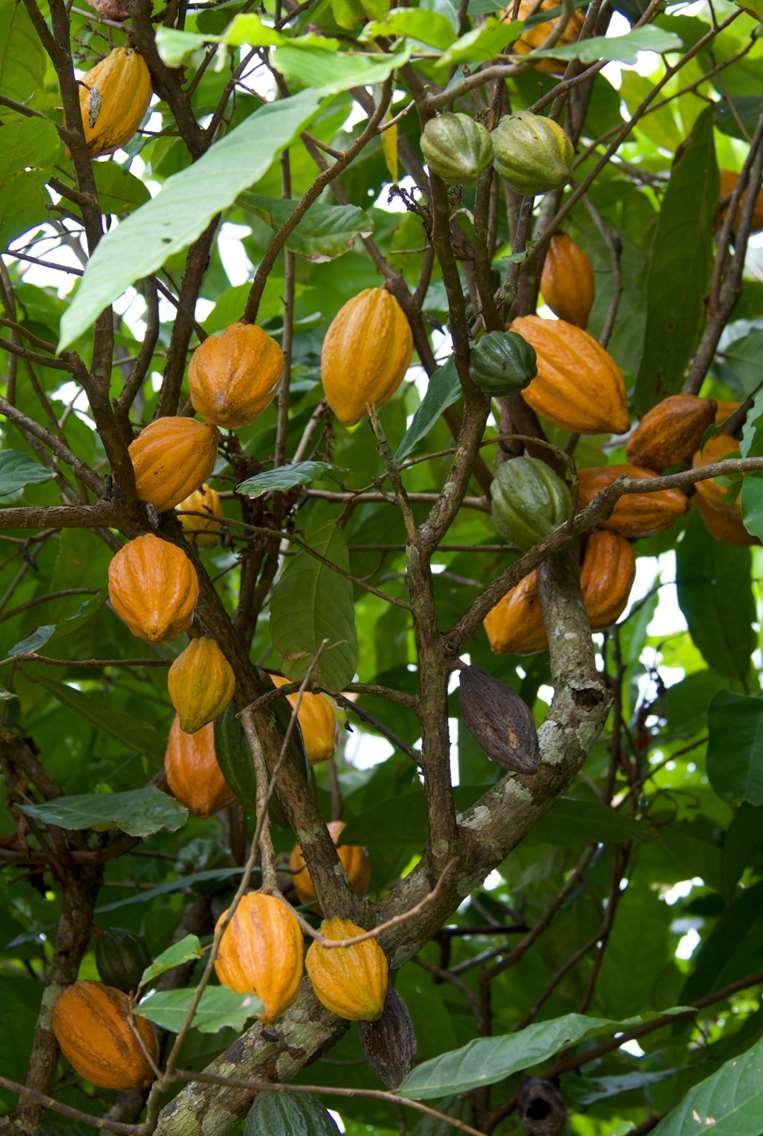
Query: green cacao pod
x,y
529,500
532,152
121,957
502,362
456,147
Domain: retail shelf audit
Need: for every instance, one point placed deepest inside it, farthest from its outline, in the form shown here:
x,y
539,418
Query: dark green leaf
x,y
138,812
444,389
119,191
134,734
735,748
728,1103
286,477
48,631
288,1114
17,471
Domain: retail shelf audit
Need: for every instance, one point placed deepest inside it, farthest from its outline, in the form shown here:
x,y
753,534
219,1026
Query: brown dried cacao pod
x,y
353,858
113,98
635,514
670,432
201,683
193,774
202,531
317,721
389,1044
567,282
91,1025
606,577
719,509
498,720
515,625
153,587
261,952
234,375
172,457
111,9
349,981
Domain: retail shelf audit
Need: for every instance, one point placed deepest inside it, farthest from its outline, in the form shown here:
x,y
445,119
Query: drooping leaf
x,y
325,232
218,1009
138,812
186,949
286,477
332,72
288,1114
728,1103
18,471
444,389
735,747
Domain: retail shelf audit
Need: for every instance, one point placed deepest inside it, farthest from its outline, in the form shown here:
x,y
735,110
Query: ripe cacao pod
x,y
202,531
192,770
201,683
261,952
528,501
153,588
113,98
498,720
366,352
532,152
515,625
578,384
120,958
317,721
606,577
567,282
349,981
728,181
719,508
353,858
670,432
234,375
534,36
635,514
172,457
456,148
502,362
92,1027
389,1044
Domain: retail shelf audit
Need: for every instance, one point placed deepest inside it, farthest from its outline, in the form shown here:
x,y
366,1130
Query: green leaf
x,y
248,28
728,1103
623,49
432,28
325,232
482,43
288,1114
679,267
138,812
119,191
22,56
175,46
286,477
18,471
182,884
487,1060
219,1008
715,597
735,747
571,822
444,389
186,949
312,603
742,355
48,631
184,206
330,72
235,758
134,734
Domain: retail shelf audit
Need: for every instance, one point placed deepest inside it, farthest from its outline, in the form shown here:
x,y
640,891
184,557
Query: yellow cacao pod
x,y
113,98
515,625
153,588
193,775
317,721
534,36
720,511
172,457
353,858
201,683
567,282
349,981
366,352
606,577
635,514
670,432
92,1027
578,385
261,952
202,531
234,375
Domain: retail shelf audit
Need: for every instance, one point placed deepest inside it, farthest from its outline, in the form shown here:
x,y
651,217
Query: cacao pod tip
x,y
389,1044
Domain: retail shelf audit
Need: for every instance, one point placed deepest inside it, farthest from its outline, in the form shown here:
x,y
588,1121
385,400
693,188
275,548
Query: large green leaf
x,y
138,812
325,232
286,477
728,1103
134,734
22,56
331,72
679,266
735,747
288,1114
312,603
444,389
218,1009
623,48
420,24
18,471
51,631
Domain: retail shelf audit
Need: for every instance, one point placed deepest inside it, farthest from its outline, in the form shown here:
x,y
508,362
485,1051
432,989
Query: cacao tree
x,y
380,501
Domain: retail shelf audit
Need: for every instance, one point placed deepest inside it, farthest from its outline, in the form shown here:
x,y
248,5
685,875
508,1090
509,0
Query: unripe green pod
x,y
529,501
121,957
502,362
532,152
456,147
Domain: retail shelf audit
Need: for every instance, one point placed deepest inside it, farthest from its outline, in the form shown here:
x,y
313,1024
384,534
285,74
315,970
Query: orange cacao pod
x,y
606,577
578,385
317,721
720,510
352,857
567,282
201,683
670,432
724,410
153,588
193,775
366,352
234,375
91,1025
635,514
261,952
171,457
349,981
202,531
728,180
515,625
113,98
537,34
